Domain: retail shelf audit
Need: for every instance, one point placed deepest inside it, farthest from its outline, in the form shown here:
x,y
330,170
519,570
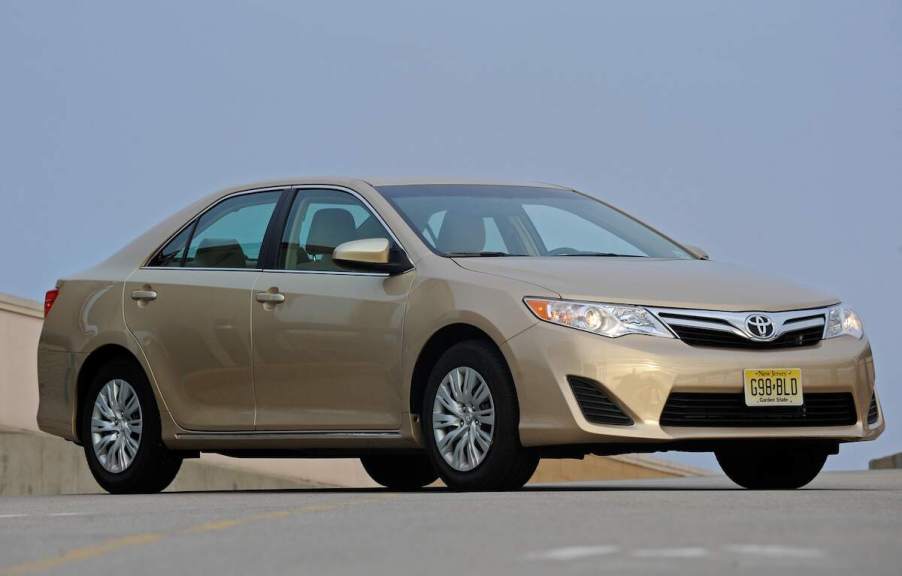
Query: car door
x,y
190,310
327,340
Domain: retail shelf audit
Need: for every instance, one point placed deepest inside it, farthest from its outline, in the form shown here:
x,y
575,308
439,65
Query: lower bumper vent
x,y
595,404
873,413
702,409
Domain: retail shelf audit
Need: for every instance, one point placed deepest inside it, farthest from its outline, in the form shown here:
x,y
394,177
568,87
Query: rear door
x,y
189,309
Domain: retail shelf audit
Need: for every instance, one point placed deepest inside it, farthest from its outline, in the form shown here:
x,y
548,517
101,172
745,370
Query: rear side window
x,y
174,252
228,235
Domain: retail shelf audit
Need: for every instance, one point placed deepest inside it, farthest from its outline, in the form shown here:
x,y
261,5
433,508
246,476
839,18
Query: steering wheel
x,y
563,251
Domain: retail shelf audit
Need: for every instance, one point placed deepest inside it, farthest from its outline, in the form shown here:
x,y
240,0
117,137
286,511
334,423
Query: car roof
x,y
382,181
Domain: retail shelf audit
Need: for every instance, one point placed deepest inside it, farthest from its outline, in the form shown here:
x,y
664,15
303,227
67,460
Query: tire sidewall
x,y
150,446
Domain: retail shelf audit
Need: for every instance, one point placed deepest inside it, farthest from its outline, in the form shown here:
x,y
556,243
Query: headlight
x,y
843,321
605,319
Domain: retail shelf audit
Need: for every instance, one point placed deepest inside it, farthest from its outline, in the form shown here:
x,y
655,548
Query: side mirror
x,y
697,252
371,254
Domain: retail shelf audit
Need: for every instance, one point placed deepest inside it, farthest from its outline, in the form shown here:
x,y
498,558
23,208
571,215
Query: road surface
x,y
845,523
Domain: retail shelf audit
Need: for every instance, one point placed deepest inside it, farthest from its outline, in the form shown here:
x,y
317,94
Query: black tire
x,y
507,465
154,466
772,466
400,471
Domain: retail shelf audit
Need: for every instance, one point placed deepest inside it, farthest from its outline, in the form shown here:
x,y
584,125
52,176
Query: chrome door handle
x,y
144,295
270,297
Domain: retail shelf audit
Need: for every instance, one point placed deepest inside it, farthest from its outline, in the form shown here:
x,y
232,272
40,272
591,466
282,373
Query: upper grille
x,y
595,404
730,329
706,409
873,413
721,339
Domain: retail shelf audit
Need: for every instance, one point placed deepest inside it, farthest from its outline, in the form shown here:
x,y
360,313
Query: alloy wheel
x,y
116,426
463,418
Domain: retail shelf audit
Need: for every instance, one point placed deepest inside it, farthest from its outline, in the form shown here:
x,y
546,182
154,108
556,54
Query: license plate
x,y
773,387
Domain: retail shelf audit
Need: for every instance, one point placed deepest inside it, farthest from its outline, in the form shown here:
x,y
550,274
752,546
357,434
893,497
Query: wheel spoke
x,y
481,393
449,403
101,425
456,386
116,426
486,416
457,458
449,437
484,439
442,420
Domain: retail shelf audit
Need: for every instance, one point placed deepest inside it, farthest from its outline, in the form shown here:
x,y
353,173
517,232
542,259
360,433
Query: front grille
x,y
873,413
720,339
731,329
704,409
595,404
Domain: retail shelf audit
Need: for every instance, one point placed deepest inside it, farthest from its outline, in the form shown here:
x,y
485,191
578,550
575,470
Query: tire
x,y
400,472
504,464
772,466
151,467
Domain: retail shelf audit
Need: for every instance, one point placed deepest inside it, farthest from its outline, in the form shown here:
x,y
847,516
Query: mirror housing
x,y
697,252
375,254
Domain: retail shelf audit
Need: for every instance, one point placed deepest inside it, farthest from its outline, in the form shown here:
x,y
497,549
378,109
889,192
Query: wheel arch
x,y
432,350
89,368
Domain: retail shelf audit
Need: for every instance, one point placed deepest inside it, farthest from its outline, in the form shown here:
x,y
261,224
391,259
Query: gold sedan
x,y
453,330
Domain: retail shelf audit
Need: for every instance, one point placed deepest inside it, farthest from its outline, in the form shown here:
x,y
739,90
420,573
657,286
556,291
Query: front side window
x,y
229,235
487,220
319,221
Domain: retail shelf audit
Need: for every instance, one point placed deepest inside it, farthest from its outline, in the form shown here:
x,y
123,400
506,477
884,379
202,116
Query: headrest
x,y
329,228
461,232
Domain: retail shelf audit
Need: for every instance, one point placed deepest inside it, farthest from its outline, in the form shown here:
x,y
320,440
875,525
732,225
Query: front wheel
x,y
120,430
772,466
470,421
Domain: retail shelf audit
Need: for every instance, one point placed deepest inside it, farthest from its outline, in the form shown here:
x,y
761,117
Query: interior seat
x,y
219,253
329,228
461,232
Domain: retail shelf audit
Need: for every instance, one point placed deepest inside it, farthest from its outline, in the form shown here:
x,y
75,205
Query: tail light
x,y
49,299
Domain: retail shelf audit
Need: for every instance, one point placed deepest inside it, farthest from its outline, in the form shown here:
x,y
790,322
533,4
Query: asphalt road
x,y
844,523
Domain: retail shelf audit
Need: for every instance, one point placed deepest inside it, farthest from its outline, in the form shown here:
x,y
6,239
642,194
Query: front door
x,y
327,340
190,310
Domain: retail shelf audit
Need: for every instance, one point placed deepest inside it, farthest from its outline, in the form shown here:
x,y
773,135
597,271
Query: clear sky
x,y
769,133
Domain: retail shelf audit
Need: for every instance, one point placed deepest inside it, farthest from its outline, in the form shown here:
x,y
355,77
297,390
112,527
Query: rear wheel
x,y
772,466
120,431
470,421
400,472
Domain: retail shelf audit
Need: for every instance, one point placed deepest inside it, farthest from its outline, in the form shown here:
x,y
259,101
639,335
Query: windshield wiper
x,y
605,255
484,254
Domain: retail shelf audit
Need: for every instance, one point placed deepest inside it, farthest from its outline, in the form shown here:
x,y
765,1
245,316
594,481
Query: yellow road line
x,y
78,554
114,544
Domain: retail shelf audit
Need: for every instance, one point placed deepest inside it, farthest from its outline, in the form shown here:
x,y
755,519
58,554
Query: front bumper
x,y
640,372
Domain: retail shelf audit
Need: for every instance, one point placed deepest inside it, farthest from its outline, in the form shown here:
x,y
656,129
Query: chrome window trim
x,y
283,188
194,218
736,321
329,272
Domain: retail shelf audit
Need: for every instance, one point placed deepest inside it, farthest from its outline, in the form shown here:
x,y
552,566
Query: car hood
x,y
700,284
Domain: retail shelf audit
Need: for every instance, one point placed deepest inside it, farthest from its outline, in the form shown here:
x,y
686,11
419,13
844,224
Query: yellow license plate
x,y
773,387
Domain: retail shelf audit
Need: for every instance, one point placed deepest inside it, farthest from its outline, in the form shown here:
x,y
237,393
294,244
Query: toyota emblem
x,y
759,326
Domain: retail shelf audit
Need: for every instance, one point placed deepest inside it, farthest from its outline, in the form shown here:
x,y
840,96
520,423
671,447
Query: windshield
x,y
487,220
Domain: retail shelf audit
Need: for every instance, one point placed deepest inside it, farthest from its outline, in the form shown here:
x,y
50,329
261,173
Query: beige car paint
x,y
198,346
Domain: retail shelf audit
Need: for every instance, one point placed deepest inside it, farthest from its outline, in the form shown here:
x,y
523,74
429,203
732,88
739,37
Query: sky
x,y
769,133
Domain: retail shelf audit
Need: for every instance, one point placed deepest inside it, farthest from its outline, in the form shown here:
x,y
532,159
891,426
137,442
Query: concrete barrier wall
x,y
20,328
36,464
